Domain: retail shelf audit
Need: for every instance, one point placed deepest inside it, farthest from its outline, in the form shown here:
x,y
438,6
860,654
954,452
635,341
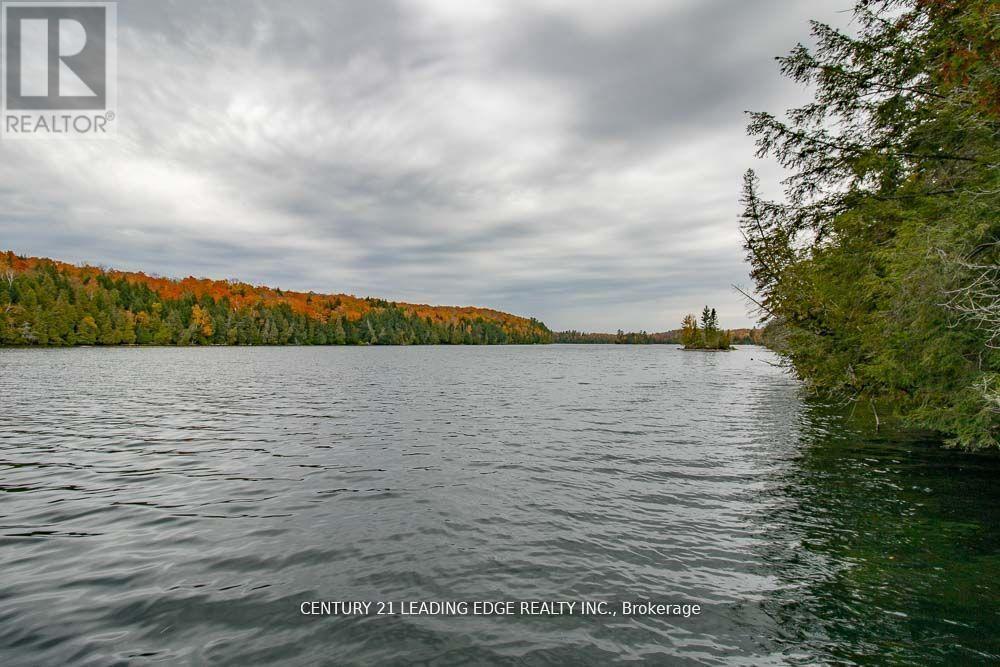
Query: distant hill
x,y
739,337
48,302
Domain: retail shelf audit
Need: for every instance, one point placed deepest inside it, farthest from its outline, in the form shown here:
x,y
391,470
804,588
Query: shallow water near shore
x,y
178,505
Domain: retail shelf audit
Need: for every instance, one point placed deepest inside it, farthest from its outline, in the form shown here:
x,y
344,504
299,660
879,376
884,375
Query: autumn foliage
x,y
47,302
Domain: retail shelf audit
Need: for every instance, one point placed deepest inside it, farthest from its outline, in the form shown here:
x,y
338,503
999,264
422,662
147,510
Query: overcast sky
x,y
575,161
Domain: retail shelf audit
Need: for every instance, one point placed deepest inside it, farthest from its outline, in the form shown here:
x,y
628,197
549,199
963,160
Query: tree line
x,y
51,304
672,337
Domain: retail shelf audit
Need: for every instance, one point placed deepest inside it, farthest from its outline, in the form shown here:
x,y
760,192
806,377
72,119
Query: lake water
x,y
178,505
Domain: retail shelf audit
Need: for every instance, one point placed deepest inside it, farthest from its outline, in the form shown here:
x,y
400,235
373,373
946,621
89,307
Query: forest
x,y
49,303
620,338
877,273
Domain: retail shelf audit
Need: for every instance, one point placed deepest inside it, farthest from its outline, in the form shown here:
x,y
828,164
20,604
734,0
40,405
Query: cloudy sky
x,y
576,161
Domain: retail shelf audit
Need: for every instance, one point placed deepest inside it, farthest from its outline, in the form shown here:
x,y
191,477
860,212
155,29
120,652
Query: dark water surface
x,y
177,506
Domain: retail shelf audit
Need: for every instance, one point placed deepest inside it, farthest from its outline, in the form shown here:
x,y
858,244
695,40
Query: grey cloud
x,y
686,69
521,161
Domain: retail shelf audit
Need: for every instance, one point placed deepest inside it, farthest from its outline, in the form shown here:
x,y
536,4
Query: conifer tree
x,y
878,269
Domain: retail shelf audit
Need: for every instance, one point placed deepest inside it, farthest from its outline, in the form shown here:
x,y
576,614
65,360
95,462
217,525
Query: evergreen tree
x,y
42,303
877,275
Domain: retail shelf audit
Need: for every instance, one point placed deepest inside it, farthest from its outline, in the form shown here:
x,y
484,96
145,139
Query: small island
x,y
708,335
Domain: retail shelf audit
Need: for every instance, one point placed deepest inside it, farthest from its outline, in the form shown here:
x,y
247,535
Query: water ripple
x,y
172,505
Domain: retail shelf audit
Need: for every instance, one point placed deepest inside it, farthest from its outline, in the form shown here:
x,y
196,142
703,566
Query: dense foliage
x,y
43,302
878,272
707,335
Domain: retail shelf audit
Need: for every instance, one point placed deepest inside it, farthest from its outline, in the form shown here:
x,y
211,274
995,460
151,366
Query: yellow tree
x,y
201,321
689,331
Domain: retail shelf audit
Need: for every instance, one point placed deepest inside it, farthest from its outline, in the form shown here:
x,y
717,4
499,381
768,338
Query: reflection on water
x,y
884,547
178,505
